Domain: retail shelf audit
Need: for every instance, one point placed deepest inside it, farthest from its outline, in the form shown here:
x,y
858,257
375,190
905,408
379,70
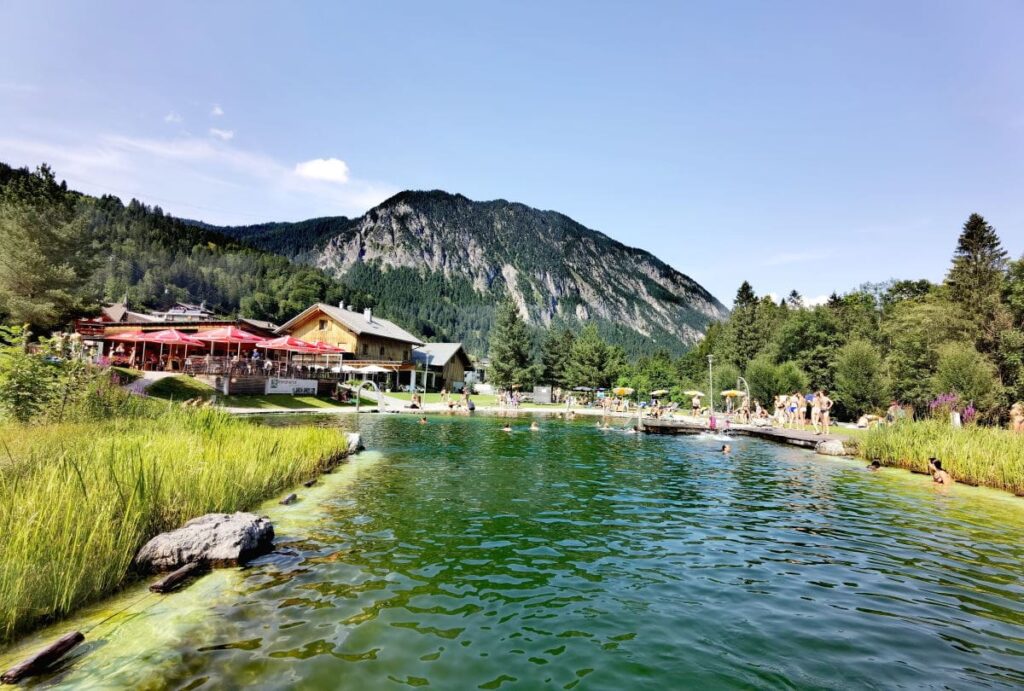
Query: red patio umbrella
x,y
173,337
131,337
229,335
328,349
289,344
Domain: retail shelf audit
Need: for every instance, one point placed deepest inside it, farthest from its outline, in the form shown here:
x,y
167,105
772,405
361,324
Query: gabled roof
x,y
259,324
119,312
438,354
115,312
357,322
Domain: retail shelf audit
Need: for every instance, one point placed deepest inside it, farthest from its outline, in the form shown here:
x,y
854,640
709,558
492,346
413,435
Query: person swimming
x,y
534,427
939,476
506,428
423,420
874,465
726,448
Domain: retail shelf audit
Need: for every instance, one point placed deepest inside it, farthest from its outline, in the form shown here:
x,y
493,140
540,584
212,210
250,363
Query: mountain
x,y
438,263
136,251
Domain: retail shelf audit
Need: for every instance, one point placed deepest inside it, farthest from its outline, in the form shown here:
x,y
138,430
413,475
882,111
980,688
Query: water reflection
x,y
472,558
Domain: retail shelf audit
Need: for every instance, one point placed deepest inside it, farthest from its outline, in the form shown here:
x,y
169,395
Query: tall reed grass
x,y
78,499
975,455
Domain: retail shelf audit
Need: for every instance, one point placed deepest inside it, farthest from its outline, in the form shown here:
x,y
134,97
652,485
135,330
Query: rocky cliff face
x,y
552,266
555,269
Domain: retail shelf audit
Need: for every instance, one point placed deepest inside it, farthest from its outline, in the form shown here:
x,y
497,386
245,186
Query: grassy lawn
x,y
282,401
180,388
428,398
126,375
183,388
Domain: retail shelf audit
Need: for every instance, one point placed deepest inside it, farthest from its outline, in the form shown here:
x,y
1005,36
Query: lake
x,y
457,556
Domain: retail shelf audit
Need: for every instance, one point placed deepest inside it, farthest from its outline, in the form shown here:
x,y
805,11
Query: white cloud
x,y
194,177
805,301
172,117
216,111
223,135
327,169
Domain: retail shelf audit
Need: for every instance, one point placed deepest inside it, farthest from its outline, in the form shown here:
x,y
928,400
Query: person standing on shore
x,y
1017,417
816,412
826,407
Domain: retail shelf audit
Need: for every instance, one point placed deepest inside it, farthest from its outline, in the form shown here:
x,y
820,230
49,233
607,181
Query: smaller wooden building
x,y
441,365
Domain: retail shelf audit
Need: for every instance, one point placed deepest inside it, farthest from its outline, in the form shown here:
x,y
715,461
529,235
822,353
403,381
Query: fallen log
x,y
174,579
309,483
290,499
41,661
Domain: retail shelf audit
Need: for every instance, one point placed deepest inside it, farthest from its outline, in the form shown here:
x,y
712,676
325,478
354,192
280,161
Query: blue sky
x,y
807,145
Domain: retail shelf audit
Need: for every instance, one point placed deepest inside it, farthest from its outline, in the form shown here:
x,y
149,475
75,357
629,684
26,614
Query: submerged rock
x,y
355,443
218,539
830,447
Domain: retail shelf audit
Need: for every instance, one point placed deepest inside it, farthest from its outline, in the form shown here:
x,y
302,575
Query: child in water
x,y
534,427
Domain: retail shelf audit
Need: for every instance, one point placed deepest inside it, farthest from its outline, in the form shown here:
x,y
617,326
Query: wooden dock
x,y
794,437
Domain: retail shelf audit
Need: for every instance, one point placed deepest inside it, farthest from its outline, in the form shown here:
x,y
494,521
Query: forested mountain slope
x,y
439,262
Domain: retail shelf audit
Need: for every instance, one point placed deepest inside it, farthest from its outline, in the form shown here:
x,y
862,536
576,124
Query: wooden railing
x,y
217,366
90,329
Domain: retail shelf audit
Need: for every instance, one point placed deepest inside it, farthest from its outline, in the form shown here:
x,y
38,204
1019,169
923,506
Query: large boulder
x,y
217,539
830,447
355,443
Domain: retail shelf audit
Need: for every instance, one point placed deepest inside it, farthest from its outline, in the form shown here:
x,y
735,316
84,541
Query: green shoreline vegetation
x,y
975,455
89,472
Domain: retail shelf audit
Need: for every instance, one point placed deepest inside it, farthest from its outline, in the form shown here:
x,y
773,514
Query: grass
x,y
180,388
986,456
283,401
428,398
78,500
125,375
183,388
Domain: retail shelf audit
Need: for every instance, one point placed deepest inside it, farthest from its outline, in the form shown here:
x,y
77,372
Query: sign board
x,y
296,387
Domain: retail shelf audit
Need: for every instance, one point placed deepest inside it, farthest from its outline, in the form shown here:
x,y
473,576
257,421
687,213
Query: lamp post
x,y
711,386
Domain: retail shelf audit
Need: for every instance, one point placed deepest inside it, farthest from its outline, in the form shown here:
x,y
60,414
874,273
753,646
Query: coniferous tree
x,y
43,263
745,296
975,281
593,363
555,353
978,265
510,348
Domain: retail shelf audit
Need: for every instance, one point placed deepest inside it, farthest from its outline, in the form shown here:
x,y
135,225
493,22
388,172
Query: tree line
x,y
66,254
911,341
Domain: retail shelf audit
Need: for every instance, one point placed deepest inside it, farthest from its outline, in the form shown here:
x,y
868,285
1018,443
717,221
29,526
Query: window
x,y
366,349
382,352
323,325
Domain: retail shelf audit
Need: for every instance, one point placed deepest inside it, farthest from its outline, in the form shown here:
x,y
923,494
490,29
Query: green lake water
x,y
457,556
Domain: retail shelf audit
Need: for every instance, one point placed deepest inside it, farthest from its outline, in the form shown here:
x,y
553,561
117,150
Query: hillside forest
x,y
958,344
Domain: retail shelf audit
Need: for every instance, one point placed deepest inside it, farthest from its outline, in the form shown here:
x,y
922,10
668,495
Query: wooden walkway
x,y
807,440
